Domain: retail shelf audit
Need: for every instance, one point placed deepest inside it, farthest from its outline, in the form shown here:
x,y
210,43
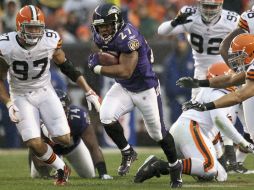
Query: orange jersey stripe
x,y
243,24
216,139
200,144
59,44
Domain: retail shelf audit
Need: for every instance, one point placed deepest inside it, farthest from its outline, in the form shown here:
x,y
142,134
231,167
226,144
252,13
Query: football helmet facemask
x,y
210,9
241,53
107,20
30,24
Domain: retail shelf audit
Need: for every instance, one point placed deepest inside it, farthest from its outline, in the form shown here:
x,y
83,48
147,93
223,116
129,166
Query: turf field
x,y
14,175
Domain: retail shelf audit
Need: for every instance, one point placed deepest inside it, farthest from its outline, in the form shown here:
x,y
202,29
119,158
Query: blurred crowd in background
x,y
72,20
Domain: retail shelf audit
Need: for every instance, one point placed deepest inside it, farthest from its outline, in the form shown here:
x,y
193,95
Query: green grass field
x,y
14,175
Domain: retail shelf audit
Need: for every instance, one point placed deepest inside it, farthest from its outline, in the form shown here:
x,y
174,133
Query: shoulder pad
x,y
52,38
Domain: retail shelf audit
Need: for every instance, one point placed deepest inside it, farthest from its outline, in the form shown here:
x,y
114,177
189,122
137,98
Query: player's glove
x,y
181,19
106,177
93,60
193,105
187,82
93,98
13,112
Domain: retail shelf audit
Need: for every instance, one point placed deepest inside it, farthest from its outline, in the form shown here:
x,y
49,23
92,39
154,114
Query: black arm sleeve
x,y
69,70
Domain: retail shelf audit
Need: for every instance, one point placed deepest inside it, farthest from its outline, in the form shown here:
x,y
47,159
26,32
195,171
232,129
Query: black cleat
x,y
148,170
239,169
128,157
176,175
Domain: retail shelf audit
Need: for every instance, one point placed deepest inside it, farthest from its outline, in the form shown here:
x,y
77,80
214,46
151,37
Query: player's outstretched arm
x,y
75,75
225,44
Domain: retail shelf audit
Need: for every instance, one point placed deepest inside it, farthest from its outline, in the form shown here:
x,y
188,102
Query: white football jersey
x,y
29,68
205,39
246,21
206,119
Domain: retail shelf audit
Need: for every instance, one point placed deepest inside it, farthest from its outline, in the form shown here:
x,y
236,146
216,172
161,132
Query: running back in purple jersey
x,y
78,120
126,40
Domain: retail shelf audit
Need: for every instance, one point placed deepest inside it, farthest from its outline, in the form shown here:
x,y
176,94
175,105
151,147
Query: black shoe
x,y
176,175
242,170
148,170
231,167
128,157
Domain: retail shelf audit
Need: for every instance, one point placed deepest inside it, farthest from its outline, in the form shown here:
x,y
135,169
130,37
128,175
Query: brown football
x,y
107,59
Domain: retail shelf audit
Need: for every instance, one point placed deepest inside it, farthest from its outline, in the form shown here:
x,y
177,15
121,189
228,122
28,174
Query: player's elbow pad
x,y
69,70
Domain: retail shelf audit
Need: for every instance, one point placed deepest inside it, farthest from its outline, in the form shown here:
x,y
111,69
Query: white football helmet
x,y
210,9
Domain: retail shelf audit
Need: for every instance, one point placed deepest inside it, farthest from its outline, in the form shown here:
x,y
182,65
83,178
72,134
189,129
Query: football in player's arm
x,y
136,86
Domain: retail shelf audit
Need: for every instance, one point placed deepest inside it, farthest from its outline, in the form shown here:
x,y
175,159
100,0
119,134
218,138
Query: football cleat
x,y
176,175
240,169
128,157
149,169
62,176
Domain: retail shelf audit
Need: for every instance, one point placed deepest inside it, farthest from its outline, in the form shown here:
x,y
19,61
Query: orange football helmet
x,y
210,9
30,24
241,52
218,69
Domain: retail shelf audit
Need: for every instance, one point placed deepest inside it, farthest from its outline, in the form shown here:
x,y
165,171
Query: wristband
x,y
97,69
210,106
204,83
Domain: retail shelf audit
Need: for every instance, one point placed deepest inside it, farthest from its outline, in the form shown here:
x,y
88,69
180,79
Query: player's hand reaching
x,y
93,60
13,112
194,105
187,82
93,98
181,18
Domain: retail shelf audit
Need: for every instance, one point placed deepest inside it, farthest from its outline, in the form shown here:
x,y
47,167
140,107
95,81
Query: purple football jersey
x,y
126,40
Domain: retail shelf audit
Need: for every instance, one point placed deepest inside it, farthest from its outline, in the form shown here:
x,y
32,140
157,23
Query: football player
x,y
193,134
240,59
136,86
84,153
25,55
207,24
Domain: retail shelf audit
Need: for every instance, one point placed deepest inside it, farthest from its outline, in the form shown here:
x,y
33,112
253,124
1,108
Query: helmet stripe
x,y
33,12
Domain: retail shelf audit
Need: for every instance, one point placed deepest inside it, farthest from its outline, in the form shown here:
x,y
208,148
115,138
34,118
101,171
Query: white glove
x,y
106,177
13,112
93,98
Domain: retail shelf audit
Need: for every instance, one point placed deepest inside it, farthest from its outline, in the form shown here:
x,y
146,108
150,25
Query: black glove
x,y
187,82
193,105
181,19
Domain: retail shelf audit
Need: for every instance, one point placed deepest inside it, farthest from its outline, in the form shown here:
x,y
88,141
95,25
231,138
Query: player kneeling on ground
x,y
83,154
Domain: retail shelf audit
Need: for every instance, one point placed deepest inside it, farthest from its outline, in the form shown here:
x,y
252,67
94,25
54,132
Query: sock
x,y
230,154
101,168
240,156
168,146
115,132
126,148
187,166
51,159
